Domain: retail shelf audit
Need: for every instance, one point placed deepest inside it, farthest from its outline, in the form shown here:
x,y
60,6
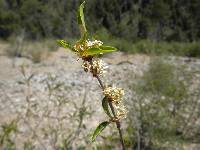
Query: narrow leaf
x,y
108,48
64,44
80,17
99,129
95,51
92,51
105,106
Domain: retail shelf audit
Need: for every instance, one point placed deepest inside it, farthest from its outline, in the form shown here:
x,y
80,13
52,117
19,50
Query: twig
x,y
118,124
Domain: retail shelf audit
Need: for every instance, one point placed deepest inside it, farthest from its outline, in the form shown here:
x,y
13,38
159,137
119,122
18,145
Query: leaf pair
x,y
90,51
103,125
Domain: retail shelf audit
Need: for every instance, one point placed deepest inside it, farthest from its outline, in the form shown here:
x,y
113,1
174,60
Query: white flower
x,y
114,94
98,67
93,43
121,111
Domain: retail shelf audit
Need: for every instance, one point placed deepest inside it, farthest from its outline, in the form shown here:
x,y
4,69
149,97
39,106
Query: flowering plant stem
x,y
118,124
88,49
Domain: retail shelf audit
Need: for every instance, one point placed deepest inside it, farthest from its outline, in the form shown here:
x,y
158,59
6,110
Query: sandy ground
x,y
63,67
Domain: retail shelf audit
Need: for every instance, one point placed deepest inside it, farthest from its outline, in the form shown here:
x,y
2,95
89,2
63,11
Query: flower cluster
x,y
115,96
94,43
121,111
98,67
81,47
78,47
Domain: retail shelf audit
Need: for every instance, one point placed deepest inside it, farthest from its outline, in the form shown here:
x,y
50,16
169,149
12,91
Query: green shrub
x,y
156,107
16,47
160,78
50,44
193,50
150,47
36,51
120,43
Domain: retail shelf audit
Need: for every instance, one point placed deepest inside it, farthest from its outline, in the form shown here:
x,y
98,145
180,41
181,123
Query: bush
x,y
158,107
193,50
150,47
119,43
36,52
160,78
50,44
16,47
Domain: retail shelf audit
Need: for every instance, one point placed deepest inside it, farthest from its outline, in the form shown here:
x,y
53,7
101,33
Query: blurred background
x,y
47,101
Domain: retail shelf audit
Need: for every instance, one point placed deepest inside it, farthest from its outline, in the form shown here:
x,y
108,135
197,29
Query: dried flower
x,y
80,48
86,66
98,67
121,112
114,94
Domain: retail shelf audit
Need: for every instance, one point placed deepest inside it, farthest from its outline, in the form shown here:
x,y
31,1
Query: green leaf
x,y
92,51
80,17
108,48
105,106
99,129
64,44
95,51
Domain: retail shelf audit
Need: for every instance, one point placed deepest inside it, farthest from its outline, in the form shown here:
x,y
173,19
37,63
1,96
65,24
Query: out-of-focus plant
x,y
5,137
163,108
88,50
46,119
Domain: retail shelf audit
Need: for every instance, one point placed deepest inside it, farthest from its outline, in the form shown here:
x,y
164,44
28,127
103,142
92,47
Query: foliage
x,y
33,50
150,47
36,52
130,20
99,129
85,48
159,108
58,130
149,27
5,138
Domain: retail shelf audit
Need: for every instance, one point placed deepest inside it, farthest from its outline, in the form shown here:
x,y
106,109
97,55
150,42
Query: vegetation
x,y
88,51
151,47
159,107
162,99
39,122
159,20
144,26
34,50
